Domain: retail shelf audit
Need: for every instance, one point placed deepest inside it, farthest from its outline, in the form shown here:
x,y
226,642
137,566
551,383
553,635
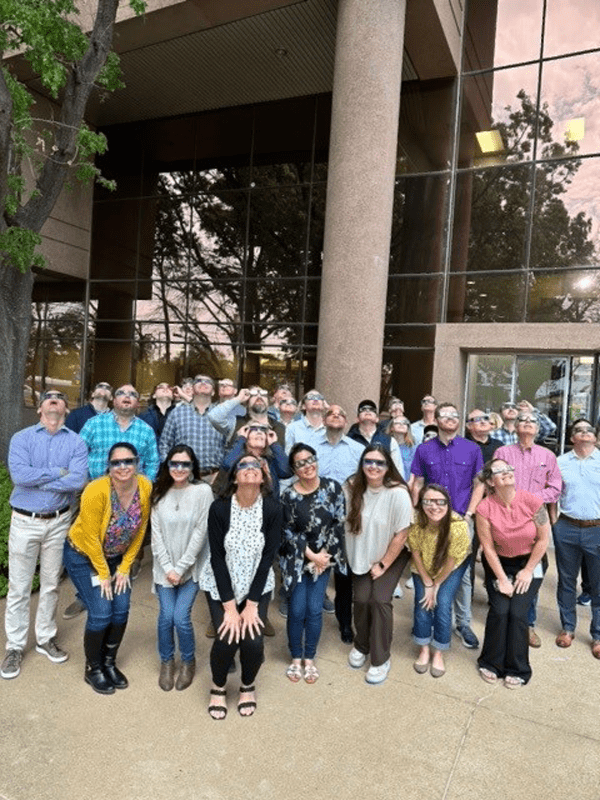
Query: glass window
x,y
570,112
564,296
582,389
419,224
498,117
425,128
413,299
490,219
571,25
409,336
489,381
277,233
400,368
542,380
502,32
486,298
566,219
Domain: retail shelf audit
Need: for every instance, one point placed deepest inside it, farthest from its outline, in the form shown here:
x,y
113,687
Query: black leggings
x,y
251,650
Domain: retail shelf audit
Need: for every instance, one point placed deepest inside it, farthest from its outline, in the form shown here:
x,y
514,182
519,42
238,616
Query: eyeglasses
x,y
509,405
123,393
367,408
180,465
305,462
482,418
122,462
584,429
435,501
503,470
314,396
103,386
226,382
52,395
258,393
203,379
378,463
527,418
428,401
248,465
259,428
448,415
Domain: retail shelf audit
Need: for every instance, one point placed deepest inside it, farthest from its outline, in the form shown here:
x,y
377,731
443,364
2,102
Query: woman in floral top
x,y
314,511
99,551
440,543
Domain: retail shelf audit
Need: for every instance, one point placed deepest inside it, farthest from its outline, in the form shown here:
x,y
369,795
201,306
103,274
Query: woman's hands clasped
x,y
429,599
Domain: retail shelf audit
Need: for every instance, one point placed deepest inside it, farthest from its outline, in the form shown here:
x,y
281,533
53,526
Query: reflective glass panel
x,y
490,381
413,299
419,224
425,130
566,219
502,32
490,219
278,232
409,336
542,380
408,375
571,25
570,101
498,117
582,389
564,296
486,298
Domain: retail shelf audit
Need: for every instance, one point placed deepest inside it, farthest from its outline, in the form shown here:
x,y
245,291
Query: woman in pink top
x,y
513,528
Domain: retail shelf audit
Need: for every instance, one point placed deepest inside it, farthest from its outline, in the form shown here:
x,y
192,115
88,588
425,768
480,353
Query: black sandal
x,y
247,703
220,709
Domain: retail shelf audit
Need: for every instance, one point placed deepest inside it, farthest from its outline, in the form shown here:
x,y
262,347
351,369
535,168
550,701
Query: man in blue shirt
x,y
99,399
48,466
577,531
120,425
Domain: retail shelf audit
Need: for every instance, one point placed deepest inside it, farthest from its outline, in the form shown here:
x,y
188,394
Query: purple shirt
x,y
454,466
536,470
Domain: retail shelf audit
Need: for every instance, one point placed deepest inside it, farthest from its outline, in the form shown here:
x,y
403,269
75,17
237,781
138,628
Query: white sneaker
x,y
356,659
409,583
378,674
398,591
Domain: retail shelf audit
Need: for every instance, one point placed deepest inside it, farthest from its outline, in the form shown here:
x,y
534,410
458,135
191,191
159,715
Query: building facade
x,y
371,196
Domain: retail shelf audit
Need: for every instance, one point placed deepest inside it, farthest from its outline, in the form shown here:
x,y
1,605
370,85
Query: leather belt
x,y
42,515
581,523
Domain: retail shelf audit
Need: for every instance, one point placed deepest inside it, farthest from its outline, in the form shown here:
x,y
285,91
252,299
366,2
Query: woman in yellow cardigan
x,y
99,550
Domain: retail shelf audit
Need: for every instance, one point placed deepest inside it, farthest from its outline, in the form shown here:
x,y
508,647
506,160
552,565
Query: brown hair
x,y
443,539
358,485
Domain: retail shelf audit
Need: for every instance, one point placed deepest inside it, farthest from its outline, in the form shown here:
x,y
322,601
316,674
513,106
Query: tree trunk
x,y
15,322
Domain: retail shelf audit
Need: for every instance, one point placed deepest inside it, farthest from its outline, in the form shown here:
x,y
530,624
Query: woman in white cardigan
x,y
180,503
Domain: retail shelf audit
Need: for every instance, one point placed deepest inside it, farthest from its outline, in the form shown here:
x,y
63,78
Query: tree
x,y
38,156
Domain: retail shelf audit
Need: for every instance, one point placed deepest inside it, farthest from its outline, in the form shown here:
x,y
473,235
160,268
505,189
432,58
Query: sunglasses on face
x,y
435,501
364,409
258,393
103,386
305,462
449,415
527,419
584,429
427,401
123,393
482,418
259,428
226,382
503,470
248,465
314,397
509,405
53,396
203,379
122,462
375,462
180,465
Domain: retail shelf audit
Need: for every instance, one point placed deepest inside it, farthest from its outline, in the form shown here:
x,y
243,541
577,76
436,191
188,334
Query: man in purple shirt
x,y
48,466
536,471
452,462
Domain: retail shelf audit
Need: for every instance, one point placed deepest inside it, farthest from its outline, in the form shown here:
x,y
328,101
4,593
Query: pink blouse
x,y
513,529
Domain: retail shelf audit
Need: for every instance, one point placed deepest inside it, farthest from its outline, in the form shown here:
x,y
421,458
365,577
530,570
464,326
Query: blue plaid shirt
x,y
547,428
102,431
185,425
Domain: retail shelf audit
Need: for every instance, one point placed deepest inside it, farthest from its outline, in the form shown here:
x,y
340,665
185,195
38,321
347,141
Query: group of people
x,y
230,490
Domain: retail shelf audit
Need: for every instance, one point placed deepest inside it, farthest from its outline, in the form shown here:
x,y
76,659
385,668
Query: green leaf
x,y
17,247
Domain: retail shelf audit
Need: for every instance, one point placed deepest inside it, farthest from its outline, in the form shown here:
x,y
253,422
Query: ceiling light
x,y
575,129
490,141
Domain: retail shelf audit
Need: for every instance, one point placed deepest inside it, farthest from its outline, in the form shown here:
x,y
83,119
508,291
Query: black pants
x,y
343,598
505,648
251,650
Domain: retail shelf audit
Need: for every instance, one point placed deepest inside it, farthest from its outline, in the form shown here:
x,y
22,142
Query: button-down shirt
x,y
299,430
340,460
547,428
37,460
536,470
103,430
453,466
185,425
580,496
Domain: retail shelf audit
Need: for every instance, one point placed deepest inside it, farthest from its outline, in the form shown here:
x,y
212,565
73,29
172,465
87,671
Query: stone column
x,y
360,194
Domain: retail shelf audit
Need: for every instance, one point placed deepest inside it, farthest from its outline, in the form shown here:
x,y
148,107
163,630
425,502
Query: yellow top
x,y
89,529
424,541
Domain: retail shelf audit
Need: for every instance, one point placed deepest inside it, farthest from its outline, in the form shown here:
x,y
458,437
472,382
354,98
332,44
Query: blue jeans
x,y
305,615
435,627
101,612
175,610
573,547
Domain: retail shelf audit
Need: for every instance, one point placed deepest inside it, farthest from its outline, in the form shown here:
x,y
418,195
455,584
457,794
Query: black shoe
x,y
346,634
98,680
112,642
114,674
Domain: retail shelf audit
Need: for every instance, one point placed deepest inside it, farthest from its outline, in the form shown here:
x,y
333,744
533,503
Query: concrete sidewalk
x,y
412,737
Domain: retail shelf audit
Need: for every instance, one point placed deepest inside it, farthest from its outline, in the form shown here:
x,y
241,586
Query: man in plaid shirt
x,y
189,424
120,425
509,412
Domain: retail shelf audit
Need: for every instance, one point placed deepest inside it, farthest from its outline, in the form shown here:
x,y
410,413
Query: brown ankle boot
x,y
186,674
166,678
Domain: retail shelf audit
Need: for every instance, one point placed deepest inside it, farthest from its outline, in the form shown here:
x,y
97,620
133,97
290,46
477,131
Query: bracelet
x,y
382,565
429,586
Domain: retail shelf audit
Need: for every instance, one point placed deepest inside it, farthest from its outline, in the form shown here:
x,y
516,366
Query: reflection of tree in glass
x,y
499,214
222,255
